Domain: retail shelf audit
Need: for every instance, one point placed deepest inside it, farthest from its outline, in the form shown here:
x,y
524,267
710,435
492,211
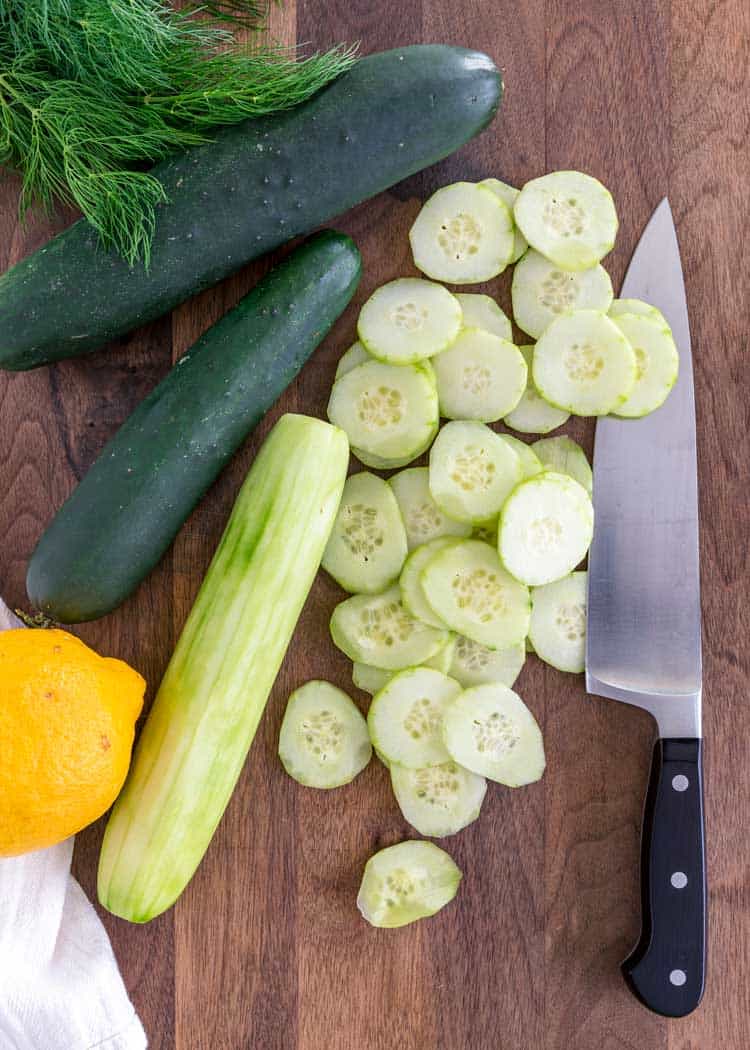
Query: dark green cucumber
x,y
126,511
255,186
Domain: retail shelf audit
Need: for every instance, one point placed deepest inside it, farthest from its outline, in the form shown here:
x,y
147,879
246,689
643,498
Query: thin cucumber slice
x,y
657,363
324,741
409,319
558,622
388,411
367,547
443,658
545,529
481,311
372,679
394,462
584,364
480,376
569,217
530,463
532,414
475,664
472,471
410,581
636,306
490,730
376,629
406,717
565,456
462,235
407,882
423,519
354,356
470,591
438,800
508,195
541,291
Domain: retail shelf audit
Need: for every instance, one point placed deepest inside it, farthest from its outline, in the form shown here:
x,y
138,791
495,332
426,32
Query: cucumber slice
x,y
481,311
367,547
388,411
470,591
372,679
407,882
438,800
394,462
569,217
472,471
323,741
565,456
584,364
475,664
635,306
541,291
490,730
462,235
530,463
532,414
545,529
354,356
406,716
657,363
423,519
480,376
376,629
508,195
410,581
558,622
409,319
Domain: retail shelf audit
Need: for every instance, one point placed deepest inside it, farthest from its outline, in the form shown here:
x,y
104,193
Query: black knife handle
x,y
666,969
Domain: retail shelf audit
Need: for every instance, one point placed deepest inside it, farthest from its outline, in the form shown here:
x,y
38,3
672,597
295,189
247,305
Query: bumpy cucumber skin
x,y
126,511
257,185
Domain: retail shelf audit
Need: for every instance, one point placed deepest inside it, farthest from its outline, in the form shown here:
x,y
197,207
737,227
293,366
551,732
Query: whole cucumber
x,y
126,511
257,185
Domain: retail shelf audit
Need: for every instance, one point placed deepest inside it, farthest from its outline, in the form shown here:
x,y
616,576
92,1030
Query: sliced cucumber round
x,y
324,741
508,195
545,529
470,591
530,463
462,235
475,664
409,319
584,364
541,291
395,462
438,800
367,547
532,414
565,456
388,411
490,730
480,376
636,306
472,471
407,882
372,679
406,716
354,356
423,519
558,622
376,629
657,363
410,581
569,217
481,311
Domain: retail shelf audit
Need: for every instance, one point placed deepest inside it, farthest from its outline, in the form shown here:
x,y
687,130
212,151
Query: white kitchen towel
x,y
60,987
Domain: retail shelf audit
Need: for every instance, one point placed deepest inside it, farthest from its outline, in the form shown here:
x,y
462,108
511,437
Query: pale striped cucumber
x,y
211,699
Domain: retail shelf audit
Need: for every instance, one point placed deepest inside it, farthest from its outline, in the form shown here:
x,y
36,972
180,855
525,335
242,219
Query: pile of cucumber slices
x,y
457,568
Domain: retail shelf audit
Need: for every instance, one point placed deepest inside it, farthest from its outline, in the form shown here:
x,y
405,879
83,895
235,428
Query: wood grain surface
x,y
265,950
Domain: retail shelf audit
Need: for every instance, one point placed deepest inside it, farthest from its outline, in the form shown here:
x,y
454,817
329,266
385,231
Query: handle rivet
x,y
677,978
680,782
679,880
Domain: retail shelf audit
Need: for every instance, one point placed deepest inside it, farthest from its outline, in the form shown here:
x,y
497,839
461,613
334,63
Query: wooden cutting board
x,y
266,949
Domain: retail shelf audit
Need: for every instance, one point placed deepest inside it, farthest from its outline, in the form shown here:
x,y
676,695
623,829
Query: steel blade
x,y
644,635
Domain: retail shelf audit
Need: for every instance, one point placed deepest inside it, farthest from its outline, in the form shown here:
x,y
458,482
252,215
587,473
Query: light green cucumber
x,y
530,462
355,355
475,664
565,456
482,311
405,717
438,800
423,519
558,622
532,414
407,882
657,363
472,471
372,679
409,319
508,195
323,742
480,376
541,291
410,581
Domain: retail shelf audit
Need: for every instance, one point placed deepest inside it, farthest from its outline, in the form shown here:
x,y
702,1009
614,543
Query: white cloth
x,y
60,987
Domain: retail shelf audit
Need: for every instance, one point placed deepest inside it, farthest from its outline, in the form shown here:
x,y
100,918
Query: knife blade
x,y
644,633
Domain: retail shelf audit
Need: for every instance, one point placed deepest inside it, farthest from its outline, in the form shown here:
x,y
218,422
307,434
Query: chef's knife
x,y
644,635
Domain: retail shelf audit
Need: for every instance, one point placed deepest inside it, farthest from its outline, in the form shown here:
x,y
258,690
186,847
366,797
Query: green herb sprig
x,y
93,91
